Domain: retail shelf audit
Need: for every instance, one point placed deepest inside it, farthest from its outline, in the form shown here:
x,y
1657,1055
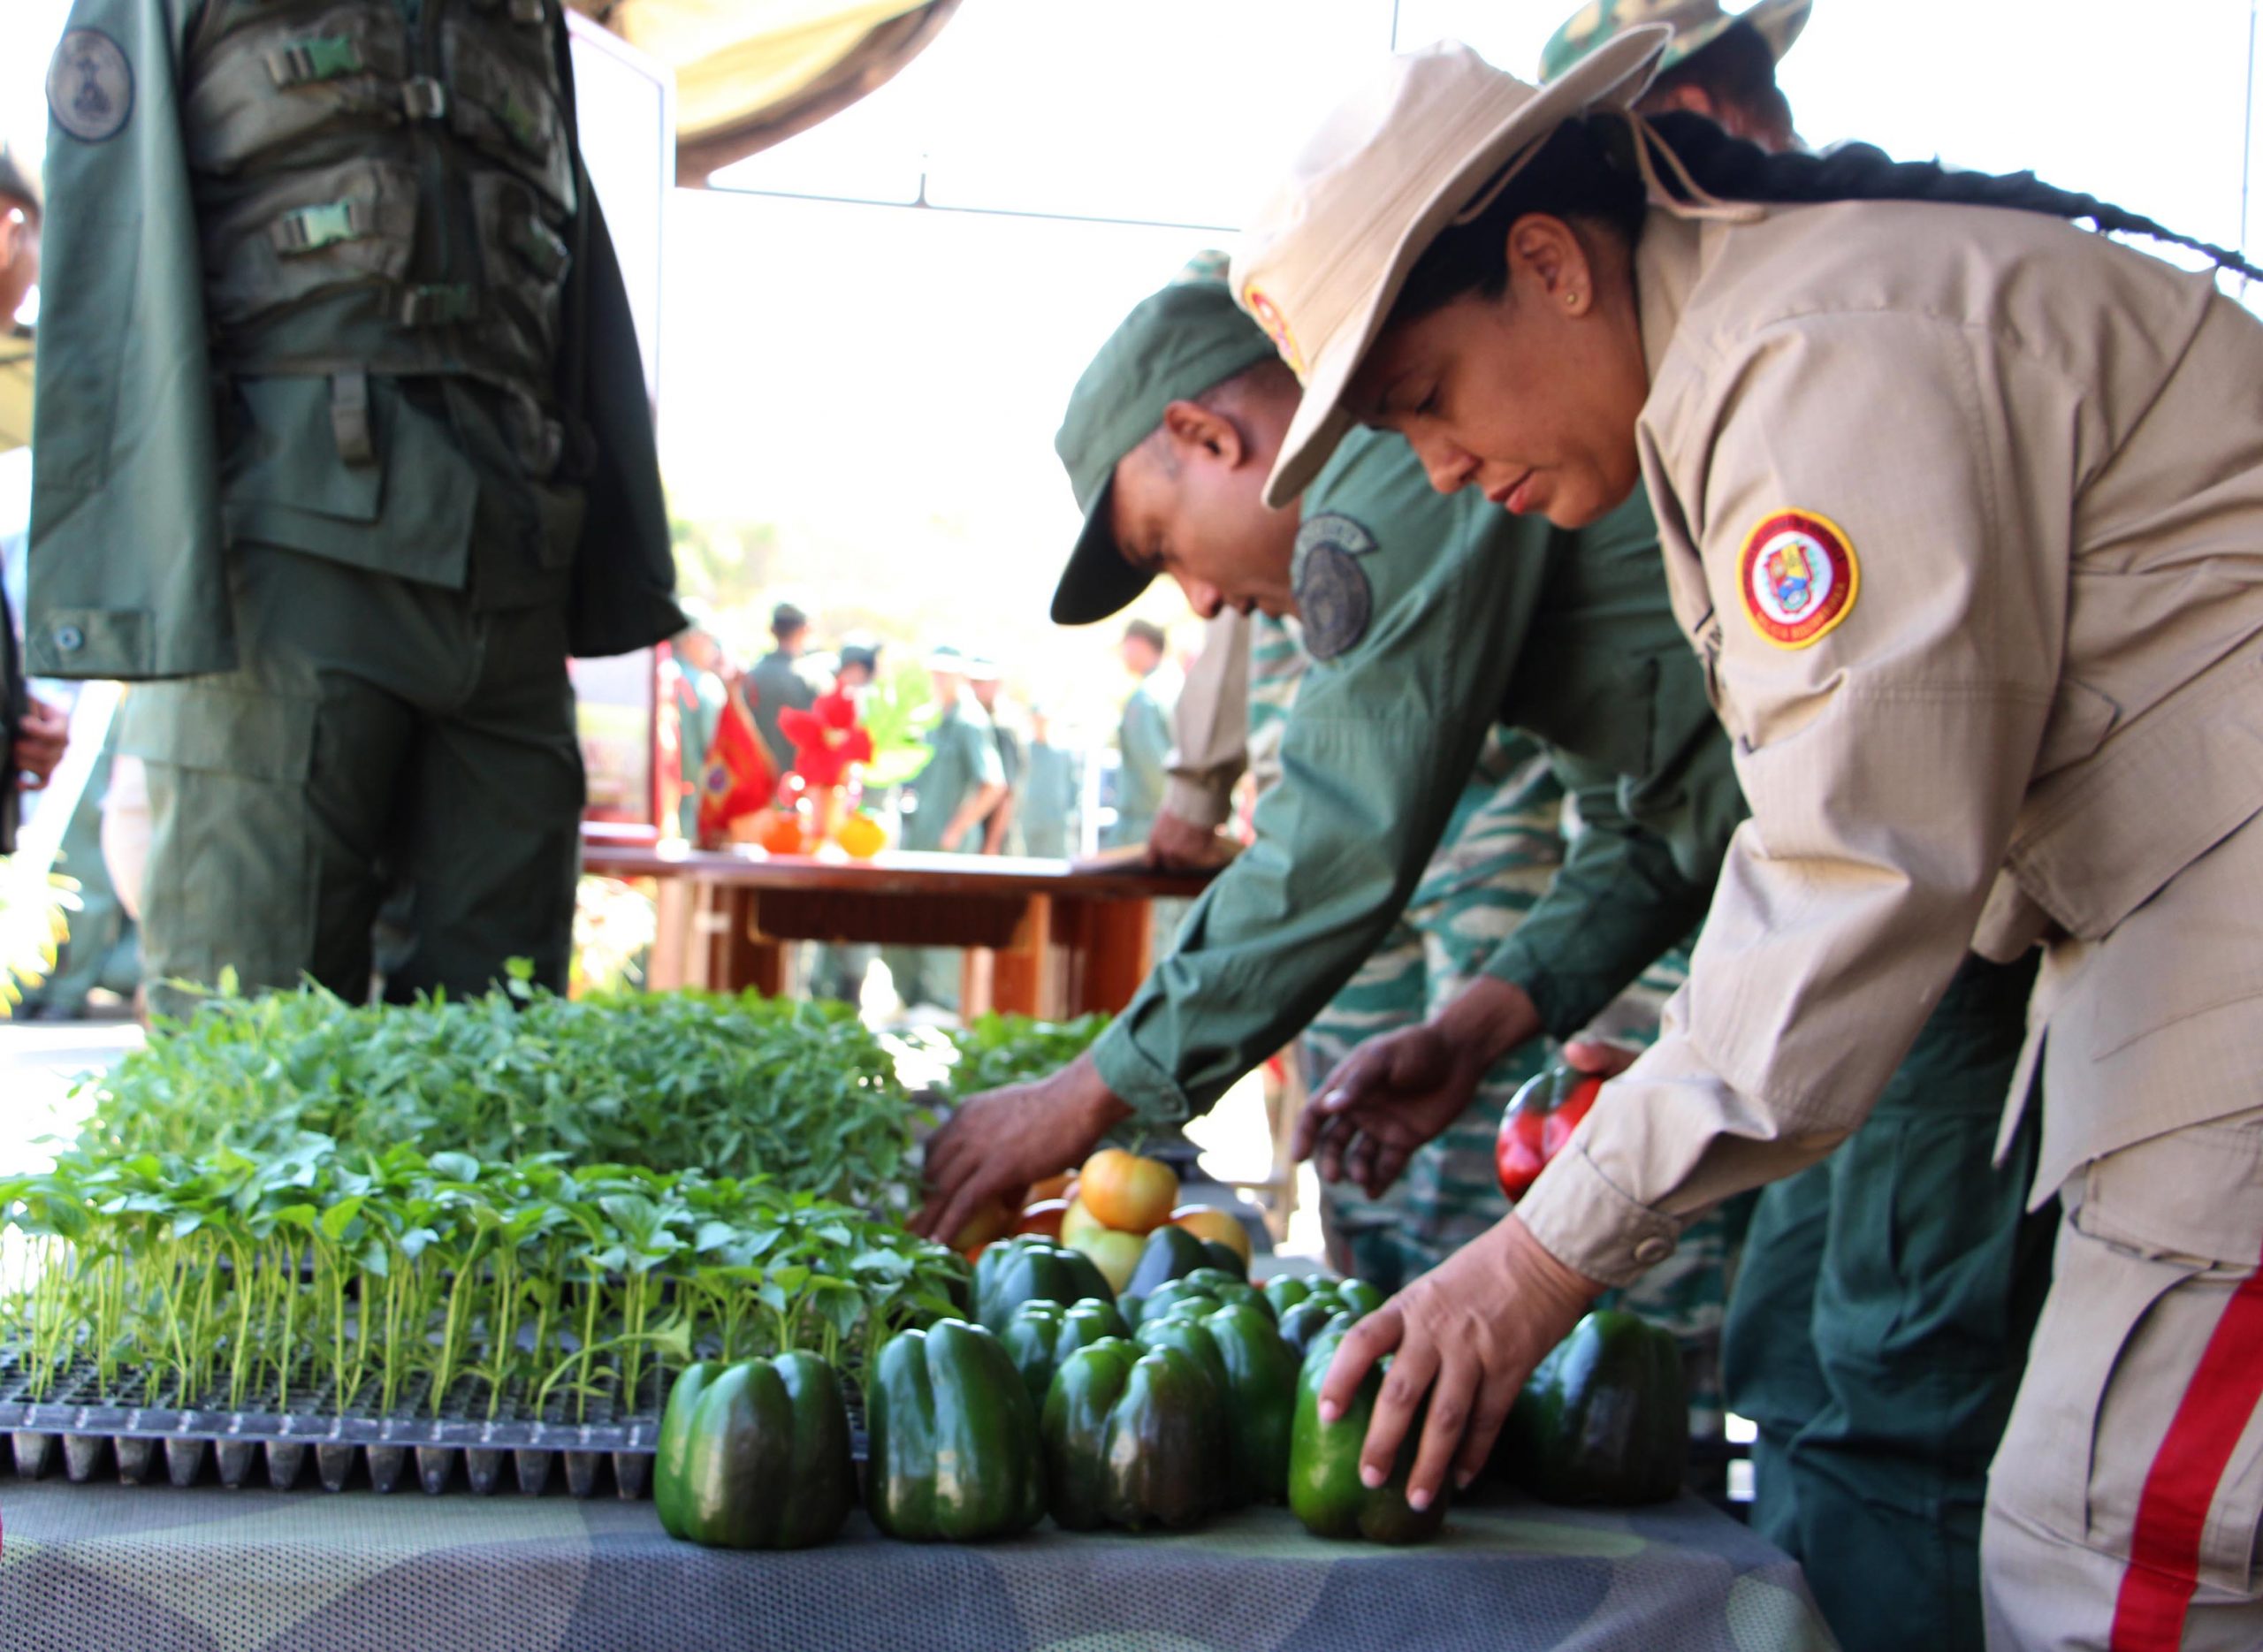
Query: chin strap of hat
x,y
1695,201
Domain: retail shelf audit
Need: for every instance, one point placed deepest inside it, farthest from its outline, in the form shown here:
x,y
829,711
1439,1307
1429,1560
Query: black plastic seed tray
x,y
128,1430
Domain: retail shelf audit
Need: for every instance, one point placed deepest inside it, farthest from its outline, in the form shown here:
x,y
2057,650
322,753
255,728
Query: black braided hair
x,y
1586,169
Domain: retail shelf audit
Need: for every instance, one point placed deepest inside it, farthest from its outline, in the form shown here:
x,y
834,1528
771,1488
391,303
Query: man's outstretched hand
x,y
995,1145
1401,1089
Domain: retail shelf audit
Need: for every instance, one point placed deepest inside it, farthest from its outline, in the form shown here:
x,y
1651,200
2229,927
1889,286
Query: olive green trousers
x,y
1879,1328
377,735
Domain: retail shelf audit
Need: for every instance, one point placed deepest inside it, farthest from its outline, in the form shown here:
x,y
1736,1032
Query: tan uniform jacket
x,y
2046,454
1210,729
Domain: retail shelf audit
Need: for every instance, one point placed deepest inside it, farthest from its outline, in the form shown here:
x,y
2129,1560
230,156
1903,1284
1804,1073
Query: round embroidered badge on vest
x,y
90,86
1333,599
1797,577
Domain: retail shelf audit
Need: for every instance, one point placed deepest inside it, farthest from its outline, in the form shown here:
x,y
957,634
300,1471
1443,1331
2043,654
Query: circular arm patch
x,y
90,86
1797,577
1333,599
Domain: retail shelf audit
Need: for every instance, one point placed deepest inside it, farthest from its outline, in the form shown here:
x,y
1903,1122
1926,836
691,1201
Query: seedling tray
x,y
141,1436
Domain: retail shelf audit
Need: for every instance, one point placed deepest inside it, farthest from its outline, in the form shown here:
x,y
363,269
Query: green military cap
x,y
1695,24
1178,343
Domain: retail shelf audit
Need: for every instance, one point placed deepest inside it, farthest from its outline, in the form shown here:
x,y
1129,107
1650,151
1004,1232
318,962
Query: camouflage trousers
x,y
1502,846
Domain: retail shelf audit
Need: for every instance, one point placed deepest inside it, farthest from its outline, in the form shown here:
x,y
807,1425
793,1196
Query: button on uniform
x,y
1653,1251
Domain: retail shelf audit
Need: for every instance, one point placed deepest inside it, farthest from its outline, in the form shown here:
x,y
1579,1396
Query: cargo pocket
x,y
267,86
524,261
508,109
310,232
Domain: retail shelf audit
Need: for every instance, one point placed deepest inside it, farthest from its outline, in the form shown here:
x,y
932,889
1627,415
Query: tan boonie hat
x,y
1697,24
1320,267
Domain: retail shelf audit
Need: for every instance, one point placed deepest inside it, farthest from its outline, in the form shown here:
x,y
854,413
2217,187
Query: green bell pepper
x,y
1261,1400
1359,1296
1284,1292
672,1458
1133,1437
954,1451
1033,1270
1174,1293
1041,1334
1307,1319
1169,1253
1226,1259
1604,1418
1325,1489
756,1455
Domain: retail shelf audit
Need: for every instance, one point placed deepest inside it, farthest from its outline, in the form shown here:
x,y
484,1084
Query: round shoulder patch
x,y
1334,599
1797,577
90,86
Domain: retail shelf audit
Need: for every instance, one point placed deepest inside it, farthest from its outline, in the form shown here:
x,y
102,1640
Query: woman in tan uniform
x,y
1963,509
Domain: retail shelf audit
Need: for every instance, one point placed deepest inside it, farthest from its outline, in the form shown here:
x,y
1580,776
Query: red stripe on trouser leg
x,y
2173,1508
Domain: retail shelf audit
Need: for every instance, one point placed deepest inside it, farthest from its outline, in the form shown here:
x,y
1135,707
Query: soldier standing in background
x,y
344,442
780,681
959,787
1002,827
1048,812
1144,736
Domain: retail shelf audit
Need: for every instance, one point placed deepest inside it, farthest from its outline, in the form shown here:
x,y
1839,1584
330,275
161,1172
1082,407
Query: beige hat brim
x,y
1612,76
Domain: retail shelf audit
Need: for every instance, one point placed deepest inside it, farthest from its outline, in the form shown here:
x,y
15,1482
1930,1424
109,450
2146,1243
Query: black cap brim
x,y
1098,582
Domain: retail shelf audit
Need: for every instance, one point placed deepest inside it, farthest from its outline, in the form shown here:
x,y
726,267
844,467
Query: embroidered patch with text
x,y
1334,600
1797,577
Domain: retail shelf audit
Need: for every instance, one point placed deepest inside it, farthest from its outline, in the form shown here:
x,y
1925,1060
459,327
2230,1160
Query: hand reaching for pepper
x,y
1467,1333
995,1144
1400,1091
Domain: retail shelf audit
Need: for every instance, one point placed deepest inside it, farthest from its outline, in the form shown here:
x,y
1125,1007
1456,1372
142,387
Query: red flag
x,y
738,777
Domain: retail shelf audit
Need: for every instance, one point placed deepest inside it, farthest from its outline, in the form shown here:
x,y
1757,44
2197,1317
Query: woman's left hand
x,y
1467,1333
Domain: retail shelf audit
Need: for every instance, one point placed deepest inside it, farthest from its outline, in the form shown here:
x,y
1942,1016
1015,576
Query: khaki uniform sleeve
x,y
1883,760
1210,729
127,572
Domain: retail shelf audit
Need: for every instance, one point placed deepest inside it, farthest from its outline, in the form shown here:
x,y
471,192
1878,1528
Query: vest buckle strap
x,y
349,417
425,98
438,305
528,11
310,229
321,57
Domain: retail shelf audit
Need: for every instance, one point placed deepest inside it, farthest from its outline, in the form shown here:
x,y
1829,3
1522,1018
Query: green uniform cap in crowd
x,y
1695,25
1176,344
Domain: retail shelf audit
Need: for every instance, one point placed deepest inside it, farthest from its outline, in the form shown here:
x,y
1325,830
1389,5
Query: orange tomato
x,y
781,832
1051,1187
1127,1192
861,837
1207,1221
1043,1217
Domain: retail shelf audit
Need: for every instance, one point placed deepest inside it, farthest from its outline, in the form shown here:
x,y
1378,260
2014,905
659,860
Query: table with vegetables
x,y
621,1283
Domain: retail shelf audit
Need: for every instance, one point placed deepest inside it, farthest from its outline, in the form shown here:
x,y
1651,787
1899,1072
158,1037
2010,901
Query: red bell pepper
x,y
1539,1119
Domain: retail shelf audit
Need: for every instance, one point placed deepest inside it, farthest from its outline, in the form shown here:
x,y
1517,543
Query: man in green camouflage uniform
x,y
1048,812
1425,619
344,440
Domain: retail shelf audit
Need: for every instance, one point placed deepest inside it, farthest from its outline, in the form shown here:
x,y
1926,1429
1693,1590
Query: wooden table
x,y
1041,939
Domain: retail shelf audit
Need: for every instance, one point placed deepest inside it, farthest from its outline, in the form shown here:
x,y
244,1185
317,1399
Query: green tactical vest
x,y
384,187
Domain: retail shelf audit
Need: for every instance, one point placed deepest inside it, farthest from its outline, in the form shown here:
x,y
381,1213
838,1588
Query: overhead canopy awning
x,y
749,73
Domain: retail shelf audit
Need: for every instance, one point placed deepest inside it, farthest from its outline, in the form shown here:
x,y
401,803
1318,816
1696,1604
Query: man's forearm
x,y
971,811
1489,1018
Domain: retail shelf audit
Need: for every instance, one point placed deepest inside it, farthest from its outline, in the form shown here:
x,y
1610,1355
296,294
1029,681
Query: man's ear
x,y
1192,426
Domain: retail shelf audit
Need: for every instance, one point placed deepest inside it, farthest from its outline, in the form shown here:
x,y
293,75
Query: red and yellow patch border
x,y
1837,598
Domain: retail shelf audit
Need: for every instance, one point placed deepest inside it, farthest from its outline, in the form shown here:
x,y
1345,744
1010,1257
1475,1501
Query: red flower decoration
x,y
826,739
